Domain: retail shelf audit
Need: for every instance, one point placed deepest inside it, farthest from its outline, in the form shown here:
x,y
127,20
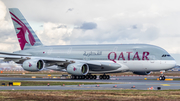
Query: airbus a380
x,y
81,61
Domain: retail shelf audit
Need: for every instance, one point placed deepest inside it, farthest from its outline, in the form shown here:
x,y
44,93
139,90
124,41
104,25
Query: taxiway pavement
x,y
118,83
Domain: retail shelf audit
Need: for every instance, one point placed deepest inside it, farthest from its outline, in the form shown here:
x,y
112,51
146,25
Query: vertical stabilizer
x,y
26,36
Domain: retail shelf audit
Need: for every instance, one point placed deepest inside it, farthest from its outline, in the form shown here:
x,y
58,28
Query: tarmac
x,y
118,83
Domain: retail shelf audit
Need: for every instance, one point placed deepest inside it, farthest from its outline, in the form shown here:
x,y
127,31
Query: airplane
x,y
81,61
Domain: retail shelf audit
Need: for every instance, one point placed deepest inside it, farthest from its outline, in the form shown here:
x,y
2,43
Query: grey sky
x,y
64,22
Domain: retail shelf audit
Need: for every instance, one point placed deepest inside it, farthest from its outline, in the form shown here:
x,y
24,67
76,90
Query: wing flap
x,y
10,56
18,54
23,58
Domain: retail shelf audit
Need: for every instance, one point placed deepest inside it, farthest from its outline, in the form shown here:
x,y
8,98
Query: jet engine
x,y
78,69
142,73
33,65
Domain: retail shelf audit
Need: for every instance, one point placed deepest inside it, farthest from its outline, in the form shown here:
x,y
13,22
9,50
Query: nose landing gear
x,y
162,77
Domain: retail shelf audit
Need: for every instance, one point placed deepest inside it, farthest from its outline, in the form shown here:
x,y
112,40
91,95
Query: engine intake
x,y
78,69
33,65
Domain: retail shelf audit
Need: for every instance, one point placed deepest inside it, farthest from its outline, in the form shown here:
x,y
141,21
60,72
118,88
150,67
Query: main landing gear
x,y
89,76
83,76
162,77
104,76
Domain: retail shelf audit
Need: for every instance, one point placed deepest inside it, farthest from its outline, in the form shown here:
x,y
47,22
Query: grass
x,y
91,95
176,79
44,83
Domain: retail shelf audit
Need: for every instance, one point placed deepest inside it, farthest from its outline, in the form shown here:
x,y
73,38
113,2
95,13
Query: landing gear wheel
x,y
71,77
95,76
74,77
83,77
108,77
104,77
91,76
162,78
87,77
100,76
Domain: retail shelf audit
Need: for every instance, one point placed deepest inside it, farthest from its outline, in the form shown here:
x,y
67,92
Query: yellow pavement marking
x,y
165,84
33,77
168,79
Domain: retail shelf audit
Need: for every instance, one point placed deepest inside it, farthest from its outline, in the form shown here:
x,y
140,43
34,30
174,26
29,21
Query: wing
x,y
62,63
20,58
50,61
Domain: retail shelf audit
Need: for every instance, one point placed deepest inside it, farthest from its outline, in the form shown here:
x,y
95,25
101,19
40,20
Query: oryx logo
x,y
24,35
30,64
74,69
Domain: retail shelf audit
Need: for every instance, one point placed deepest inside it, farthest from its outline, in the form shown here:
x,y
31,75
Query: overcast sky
x,y
65,22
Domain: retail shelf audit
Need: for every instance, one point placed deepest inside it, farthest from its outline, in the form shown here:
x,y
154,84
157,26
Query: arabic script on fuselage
x,y
89,53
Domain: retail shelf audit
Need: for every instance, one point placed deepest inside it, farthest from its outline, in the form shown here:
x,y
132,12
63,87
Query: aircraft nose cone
x,y
172,63
175,63
169,65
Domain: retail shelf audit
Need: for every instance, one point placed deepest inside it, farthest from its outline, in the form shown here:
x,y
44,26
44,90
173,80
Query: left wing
x,y
20,58
62,63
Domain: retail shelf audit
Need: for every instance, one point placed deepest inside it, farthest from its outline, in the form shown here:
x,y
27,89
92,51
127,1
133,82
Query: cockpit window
x,y
166,55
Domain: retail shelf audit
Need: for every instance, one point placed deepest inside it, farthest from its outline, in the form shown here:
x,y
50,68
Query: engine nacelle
x,y
33,65
78,69
142,73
